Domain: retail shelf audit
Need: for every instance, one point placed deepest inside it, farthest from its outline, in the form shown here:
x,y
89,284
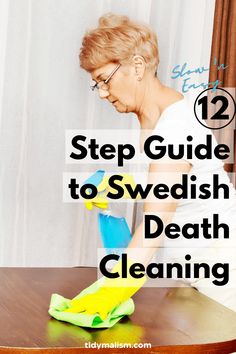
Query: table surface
x,y
173,320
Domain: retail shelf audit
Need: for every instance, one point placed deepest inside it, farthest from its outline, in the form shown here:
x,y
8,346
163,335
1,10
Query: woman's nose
x,y
103,93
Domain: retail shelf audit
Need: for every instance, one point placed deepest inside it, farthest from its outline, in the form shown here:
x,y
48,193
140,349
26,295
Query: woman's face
x,y
121,88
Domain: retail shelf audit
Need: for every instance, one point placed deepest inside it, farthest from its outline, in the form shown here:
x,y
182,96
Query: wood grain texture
x,y
173,320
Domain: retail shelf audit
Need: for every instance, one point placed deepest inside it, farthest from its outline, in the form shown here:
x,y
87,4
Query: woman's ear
x,y
139,66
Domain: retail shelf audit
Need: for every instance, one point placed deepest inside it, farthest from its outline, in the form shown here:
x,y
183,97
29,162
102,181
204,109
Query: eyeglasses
x,y
103,84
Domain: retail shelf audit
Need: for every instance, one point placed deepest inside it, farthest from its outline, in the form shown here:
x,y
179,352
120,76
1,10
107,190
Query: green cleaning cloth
x,y
58,304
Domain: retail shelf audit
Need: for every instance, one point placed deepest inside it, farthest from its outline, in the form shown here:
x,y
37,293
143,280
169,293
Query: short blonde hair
x,y
118,39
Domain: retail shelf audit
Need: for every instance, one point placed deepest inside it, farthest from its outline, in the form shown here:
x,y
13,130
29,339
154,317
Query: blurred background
x,y
43,92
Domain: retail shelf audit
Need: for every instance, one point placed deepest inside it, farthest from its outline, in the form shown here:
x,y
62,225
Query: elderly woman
x,y
122,58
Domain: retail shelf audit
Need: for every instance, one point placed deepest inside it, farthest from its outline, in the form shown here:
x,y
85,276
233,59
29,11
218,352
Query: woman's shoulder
x,y
178,120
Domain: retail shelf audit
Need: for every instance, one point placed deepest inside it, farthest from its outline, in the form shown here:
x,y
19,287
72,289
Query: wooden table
x,y
173,320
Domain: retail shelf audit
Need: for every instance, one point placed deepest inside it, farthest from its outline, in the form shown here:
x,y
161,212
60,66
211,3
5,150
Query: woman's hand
x,y
102,302
101,181
112,292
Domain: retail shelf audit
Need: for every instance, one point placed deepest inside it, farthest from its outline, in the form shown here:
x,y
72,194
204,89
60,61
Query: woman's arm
x,y
168,172
115,291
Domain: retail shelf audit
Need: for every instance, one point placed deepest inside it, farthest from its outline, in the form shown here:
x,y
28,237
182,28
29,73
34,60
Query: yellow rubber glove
x,y
112,293
127,179
101,201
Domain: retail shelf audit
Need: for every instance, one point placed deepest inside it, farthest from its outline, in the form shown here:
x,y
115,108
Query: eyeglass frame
x,y
96,86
